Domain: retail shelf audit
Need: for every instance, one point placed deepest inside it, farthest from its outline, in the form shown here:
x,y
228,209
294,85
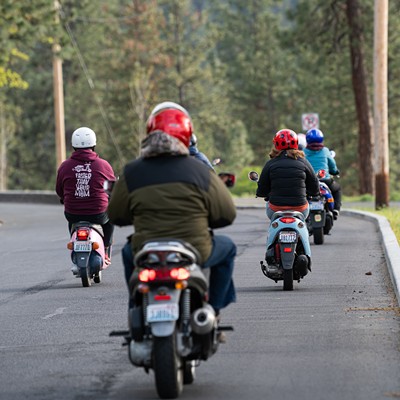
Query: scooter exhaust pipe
x,y
302,264
140,353
203,320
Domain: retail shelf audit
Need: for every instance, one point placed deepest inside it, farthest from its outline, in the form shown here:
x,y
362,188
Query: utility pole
x,y
58,98
381,104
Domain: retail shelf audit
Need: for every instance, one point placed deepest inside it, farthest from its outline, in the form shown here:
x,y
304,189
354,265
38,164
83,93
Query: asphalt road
x,y
336,336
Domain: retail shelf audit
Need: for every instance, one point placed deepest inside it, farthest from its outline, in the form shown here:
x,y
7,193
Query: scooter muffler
x,y
140,353
203,320
302,264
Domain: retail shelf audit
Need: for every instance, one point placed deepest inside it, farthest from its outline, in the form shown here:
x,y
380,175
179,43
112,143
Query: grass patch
x,y
392,214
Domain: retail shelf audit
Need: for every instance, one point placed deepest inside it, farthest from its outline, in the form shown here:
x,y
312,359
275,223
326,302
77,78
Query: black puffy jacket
x,y
285,181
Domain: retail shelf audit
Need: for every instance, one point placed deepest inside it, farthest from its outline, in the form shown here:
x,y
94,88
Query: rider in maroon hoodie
x,y
79,185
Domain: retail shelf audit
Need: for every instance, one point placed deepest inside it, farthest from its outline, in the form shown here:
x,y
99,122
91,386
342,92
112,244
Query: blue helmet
x,y
314,136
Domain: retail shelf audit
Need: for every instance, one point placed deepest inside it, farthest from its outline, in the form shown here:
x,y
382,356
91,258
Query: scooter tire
x,y
85,277
168,369
318,234
288,279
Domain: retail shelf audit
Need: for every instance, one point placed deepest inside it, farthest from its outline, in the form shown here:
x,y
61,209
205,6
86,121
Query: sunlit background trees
x,y
243,68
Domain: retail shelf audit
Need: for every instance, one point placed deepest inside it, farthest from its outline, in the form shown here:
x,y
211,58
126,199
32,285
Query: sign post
x,y
309,121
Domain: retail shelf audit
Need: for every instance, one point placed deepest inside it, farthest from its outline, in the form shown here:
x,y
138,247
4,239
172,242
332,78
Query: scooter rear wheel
x,y
288,279
85,277
318,234
168,370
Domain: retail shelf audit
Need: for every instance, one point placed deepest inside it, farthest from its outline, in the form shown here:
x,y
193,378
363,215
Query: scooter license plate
x,y
82,246
162,312
287,237
316,205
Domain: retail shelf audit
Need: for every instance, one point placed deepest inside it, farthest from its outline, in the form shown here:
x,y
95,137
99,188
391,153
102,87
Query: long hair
x,y
292,153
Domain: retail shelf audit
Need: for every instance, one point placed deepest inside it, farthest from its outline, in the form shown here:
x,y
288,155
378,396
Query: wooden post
x,y
381,104
58,99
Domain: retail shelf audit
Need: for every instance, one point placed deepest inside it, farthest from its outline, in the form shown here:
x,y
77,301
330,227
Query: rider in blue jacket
x,y
196,153
321,158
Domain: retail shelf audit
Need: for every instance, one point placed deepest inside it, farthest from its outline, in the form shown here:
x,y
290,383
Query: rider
x,y
196,153
165,193
287,178
79,185
302,141
321,158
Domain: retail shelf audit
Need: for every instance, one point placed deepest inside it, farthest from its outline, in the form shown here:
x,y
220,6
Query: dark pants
x,y
221,262
100,219
336,192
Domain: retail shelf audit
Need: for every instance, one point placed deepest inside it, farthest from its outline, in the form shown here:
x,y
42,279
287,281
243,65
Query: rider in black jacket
x,y
287,178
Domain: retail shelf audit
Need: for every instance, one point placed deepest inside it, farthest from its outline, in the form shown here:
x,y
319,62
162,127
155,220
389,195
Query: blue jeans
x,y
221,262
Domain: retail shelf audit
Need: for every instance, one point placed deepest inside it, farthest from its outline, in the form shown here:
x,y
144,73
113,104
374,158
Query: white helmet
x,y
301,137
83,138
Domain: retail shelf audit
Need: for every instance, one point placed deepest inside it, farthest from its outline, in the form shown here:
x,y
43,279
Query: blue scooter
x,y
288,255
320,219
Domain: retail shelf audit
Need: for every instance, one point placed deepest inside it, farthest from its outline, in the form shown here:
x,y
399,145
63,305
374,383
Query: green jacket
x,y
171,197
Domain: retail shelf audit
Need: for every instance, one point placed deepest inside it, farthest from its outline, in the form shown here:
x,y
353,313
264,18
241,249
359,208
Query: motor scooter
x,y
288,252
320,220
88,252
171,325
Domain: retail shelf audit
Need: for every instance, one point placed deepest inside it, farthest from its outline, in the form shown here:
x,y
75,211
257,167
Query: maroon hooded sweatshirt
x,y
80,181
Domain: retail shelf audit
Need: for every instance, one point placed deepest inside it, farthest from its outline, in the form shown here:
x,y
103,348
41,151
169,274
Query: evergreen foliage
x,y
243,69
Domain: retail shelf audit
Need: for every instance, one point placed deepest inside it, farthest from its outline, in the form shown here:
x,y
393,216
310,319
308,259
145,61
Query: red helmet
x,y
172,119
285,139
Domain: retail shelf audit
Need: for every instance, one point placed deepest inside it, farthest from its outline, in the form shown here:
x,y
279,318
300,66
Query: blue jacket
x,y
196,153
322,159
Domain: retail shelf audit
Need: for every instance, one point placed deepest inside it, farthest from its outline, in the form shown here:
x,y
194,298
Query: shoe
x,y
107,260
75,269
335,214
221,336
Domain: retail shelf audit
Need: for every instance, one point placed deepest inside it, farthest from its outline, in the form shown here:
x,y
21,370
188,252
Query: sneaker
x,y
335,214
221,336
75,269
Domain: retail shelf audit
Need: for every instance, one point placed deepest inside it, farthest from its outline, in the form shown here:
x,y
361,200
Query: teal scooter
x,y
288,254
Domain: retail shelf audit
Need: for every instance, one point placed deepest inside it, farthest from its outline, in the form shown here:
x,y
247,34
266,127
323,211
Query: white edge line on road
x,y
57,312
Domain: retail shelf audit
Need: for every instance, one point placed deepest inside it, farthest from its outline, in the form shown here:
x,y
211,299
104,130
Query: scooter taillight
x,y
163,274
287,220
82,234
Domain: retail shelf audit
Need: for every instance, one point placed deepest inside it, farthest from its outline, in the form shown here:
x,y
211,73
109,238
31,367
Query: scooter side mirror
x,y
216,161
228,178
253,176
108,186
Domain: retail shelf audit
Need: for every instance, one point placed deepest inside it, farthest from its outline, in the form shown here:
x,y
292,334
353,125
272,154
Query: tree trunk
x,y
360,88
3,150
381,13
